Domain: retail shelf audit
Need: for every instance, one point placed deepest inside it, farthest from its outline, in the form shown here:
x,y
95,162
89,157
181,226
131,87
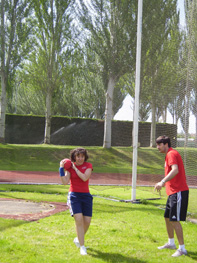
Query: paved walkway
x,y
27,177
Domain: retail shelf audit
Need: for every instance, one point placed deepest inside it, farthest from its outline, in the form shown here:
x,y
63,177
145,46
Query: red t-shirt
x,y
76,183
178,183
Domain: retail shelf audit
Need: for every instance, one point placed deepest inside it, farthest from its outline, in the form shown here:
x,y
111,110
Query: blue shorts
x,y
80,203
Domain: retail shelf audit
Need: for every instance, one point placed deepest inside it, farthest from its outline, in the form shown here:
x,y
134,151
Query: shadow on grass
x,y
115,208
121,155
10,223
112,257
7,195
40,189
192,255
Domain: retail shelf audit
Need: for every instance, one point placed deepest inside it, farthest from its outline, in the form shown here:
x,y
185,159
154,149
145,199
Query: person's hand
x,y
73,166
158,186
61,163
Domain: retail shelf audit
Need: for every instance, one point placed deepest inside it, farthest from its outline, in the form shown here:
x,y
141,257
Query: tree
x,y
80,90
111,34
160,45
26,99
15,43
87,85
53,43
191,80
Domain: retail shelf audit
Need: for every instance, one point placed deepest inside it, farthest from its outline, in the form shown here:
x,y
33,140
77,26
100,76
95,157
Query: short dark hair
x,y
163,139
78,151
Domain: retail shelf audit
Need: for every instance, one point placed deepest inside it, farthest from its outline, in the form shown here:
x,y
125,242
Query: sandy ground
x,y
27,210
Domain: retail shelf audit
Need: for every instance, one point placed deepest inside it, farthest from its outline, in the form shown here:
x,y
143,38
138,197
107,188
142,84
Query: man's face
x,y
162,147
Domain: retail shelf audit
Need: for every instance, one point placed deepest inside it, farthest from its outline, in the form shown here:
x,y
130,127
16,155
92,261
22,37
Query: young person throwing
x,y
78,172
178,193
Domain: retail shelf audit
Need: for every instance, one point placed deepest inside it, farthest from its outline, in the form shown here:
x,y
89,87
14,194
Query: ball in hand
x,y
67,164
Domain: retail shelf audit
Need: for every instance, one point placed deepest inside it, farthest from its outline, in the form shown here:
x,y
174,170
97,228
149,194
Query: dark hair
x,y
164,139
78,151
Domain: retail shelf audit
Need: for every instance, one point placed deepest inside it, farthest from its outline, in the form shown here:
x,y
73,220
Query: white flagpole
x,y
137,91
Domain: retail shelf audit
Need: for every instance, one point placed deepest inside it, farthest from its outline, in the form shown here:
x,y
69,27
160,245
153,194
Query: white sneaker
x,y
168,246
83,250
179,253
76,241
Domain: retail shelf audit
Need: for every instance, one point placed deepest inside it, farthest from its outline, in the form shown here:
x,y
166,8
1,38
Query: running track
x,y
27,177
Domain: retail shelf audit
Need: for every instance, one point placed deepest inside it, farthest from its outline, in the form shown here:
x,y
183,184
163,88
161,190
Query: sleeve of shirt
x,y
172,158
90,166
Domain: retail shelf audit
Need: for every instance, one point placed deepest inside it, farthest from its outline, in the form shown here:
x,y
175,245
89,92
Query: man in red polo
x,y
178,193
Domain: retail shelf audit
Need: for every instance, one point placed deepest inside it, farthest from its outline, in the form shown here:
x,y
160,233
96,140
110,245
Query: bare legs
x,y
172,226
82,224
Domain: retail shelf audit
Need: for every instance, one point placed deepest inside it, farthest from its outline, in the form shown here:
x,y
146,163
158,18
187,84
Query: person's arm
x,y
84,176
65,177
174,171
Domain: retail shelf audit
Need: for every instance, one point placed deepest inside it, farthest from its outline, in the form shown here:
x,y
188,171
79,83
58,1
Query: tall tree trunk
x,y
196,119
186,121
195,107
3,78
47,134
153,125
108,112
187,97
2,108
165,115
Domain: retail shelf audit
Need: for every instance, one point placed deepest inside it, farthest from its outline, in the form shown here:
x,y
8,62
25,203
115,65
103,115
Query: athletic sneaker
x,y
179,253
76,241
83,250
167,245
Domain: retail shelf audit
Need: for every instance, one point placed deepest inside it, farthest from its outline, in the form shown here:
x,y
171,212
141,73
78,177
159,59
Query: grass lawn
x,y
113,160
119,232
47,158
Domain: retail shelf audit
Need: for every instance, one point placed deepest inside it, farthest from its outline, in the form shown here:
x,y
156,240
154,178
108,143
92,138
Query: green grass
x,y
111,192
119,232
113,160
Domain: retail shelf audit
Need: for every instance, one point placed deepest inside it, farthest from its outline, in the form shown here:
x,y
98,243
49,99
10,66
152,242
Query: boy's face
x,y
163,148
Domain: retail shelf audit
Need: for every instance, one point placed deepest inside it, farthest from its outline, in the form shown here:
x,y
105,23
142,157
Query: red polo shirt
x,y
76,183
178,183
